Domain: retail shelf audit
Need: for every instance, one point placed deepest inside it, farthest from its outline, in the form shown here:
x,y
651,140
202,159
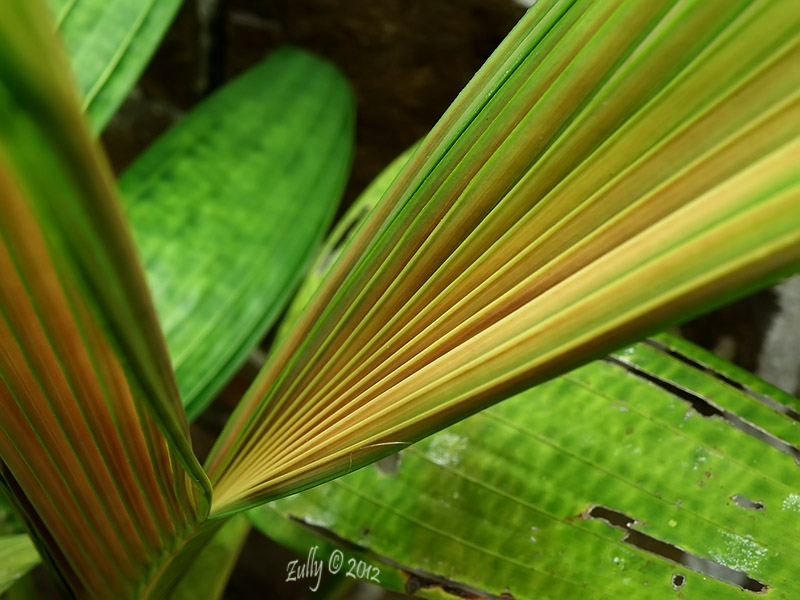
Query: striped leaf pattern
x,y
615,166
689,447
93,436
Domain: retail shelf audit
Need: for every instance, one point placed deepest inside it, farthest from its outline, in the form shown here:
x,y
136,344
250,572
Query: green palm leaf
x,y
94,439
613,168
529,497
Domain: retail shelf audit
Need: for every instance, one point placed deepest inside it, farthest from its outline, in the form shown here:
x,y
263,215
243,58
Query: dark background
x,y
406,61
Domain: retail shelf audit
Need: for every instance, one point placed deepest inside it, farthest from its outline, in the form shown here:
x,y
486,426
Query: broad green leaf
x,y
208,575
614,168
93,438
109,44
500,503
228,206
17,557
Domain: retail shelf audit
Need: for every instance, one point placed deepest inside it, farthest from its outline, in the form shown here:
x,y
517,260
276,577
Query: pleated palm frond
x,y
615,167
94,440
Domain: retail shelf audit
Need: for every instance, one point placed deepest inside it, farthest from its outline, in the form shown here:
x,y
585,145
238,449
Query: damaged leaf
x,y
501,501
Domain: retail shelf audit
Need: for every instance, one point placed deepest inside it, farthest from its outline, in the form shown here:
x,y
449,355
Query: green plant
x,y
614,167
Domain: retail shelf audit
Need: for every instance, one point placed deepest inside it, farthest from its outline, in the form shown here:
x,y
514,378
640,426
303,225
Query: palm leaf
x,y
530,497
94,439
614,167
